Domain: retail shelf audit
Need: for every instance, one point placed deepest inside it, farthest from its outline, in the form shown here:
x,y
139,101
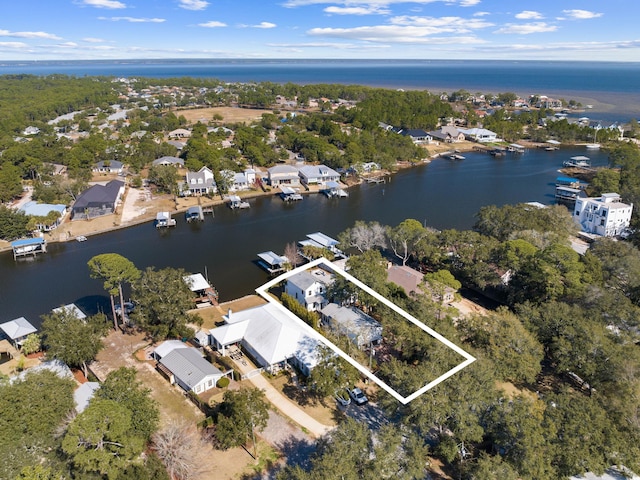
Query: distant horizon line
x,y
327,60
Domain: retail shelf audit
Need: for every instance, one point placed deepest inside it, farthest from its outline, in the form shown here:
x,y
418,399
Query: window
x,y
577,213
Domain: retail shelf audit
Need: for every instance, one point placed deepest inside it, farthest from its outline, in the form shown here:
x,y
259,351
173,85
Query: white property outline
x,y
263,292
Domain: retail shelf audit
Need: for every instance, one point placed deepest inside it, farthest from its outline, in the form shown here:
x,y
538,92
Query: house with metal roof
x,y
98,200
283,175
43,211
190,370
269,336
83,395
167,160
360,328
17,330
317,175
166,347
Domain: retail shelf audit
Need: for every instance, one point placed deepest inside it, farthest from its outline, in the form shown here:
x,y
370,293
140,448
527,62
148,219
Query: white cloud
x,y
366,10
13,45
581,14
67,45
133,19
529,15
374,3
481,14
212,24
338,46
396,34
265,25
527,28
453,24
48,36
193,4
469,3
93,40
110,4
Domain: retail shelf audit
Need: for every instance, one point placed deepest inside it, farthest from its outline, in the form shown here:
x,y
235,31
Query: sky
x,y
595,30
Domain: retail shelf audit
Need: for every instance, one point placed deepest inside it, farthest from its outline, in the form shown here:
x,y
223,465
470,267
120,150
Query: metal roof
x,y
197,282
18,328
273,259
188,366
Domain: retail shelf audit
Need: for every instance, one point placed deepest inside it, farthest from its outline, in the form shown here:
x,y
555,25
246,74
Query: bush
x,y
223,382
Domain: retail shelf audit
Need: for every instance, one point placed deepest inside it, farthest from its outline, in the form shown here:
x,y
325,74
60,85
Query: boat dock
x,y
194,214
379,179
28,247
578,161
164,220
289,194
333,190
235,202
567,194
205,294
272,262
322,241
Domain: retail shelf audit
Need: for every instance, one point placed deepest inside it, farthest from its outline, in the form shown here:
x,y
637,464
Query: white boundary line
x,y
263,292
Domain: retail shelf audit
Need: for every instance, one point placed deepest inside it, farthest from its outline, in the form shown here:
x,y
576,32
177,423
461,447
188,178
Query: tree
x,y
72,340
122,386
241,413
10,182
13,224
291,252
165,177
332,373
32,344
114,270
180,448
163,299
404,238
363,236
101,440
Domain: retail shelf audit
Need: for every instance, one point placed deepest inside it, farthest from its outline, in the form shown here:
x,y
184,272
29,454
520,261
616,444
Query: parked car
x,y
343,398
358,396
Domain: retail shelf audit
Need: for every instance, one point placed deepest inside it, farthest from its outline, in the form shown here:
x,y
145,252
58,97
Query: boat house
x,y
28,246
272,262
17,331
205,294
163,220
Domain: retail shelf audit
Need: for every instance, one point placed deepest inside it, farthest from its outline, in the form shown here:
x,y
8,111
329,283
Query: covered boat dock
x,y
28,246
272,262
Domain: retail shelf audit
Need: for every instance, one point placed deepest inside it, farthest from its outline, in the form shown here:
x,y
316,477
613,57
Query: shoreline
x,y
110,223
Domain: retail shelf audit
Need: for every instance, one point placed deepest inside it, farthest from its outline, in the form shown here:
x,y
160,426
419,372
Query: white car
x,y
343,399
358,396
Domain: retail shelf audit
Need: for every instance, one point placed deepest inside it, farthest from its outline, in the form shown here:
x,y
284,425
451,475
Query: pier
x,y
289,194
194,214
164,220
235,202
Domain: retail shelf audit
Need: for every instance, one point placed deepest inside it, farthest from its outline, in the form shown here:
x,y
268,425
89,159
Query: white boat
x,y
81,238
593,146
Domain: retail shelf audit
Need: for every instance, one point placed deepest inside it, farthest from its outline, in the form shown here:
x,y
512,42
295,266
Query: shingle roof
x,y
99,195
188,366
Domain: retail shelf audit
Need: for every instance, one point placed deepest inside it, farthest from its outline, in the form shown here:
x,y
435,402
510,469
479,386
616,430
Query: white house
x,y
167,160
283,175
109,166
481,135
190,370
241,181
269,336
317,175
200,182
42,210
309,288
179,133
17,330
606,215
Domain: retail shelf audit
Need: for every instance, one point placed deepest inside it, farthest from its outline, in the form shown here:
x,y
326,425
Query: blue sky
x,y
368,29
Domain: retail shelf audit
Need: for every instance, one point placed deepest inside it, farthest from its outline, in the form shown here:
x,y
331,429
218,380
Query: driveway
x,y
369,414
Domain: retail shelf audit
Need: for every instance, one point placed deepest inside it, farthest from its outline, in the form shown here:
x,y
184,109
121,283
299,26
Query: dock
x,y
164,220
379,179
272,262
235,202
28,247
205,294
289,194
322,241
333,190
567,194
577,161
194,214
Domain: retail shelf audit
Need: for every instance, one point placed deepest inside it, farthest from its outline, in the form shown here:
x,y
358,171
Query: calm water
x,y
443,195
613,88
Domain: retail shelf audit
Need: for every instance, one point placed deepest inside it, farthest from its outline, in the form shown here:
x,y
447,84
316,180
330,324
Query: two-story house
x,y
200,182
606,215
309,288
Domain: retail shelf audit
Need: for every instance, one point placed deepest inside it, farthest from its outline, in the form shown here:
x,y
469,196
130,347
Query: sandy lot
x,y
229,114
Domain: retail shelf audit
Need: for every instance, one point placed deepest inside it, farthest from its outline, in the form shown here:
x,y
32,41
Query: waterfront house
x,y
98,200
405,277
49,216
269,336
240,180
357,326
317,175
109,166
605,216
283,175
309,288
448,134
481,135
167,160
17,330
187,368
200,183
71,309
417,135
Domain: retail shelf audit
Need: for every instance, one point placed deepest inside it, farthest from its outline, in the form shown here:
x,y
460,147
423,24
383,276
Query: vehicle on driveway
x,y
358,396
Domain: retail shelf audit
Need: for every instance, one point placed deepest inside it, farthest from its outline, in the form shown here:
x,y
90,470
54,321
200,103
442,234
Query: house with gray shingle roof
x,y
190,370
98,200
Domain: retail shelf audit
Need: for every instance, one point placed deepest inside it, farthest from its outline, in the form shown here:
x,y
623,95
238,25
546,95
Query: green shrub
x,y
223,382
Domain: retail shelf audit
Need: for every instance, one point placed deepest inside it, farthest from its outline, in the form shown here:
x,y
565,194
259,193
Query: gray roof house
x,y
190,371
200,182
359,327
98,200
417,135
108,166
166,160
309,288
317,175
283,175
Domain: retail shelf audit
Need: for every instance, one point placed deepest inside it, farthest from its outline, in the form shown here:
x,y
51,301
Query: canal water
x,y
443,194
